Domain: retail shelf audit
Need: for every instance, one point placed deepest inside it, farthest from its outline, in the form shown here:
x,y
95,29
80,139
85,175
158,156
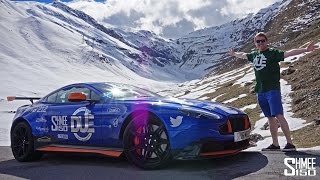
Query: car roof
x,y
94,83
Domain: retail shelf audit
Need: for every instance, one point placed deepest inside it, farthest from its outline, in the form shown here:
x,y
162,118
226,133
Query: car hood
x,y
200,104
207,105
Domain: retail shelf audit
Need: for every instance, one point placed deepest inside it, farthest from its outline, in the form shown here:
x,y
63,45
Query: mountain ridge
x,y
44,47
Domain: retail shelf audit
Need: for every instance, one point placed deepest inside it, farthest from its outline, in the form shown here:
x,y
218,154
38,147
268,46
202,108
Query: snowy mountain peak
x,y
208,47
89,20
75,36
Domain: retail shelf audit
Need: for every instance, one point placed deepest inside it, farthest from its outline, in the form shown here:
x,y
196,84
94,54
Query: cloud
x,y
181,28
169,18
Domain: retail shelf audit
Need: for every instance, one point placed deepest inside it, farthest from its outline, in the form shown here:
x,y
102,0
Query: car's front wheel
x,y
146,143
22,143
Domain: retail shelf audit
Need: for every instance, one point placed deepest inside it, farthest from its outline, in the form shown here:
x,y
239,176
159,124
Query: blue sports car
x,y
117,119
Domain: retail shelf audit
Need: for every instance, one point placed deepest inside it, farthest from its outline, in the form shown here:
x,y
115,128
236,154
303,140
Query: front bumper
x,y
207,148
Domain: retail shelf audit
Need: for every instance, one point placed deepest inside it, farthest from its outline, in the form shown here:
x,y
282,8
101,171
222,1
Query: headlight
x,y
199,113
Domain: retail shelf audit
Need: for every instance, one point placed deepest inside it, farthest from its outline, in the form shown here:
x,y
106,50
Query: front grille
x,y
235,124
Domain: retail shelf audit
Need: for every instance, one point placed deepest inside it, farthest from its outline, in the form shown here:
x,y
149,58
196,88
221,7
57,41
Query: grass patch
x,y
228,91
307,136
245,101
231,92
254,115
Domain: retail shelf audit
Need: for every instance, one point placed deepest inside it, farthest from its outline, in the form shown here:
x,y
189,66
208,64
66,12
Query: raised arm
x,y
311,46
241,55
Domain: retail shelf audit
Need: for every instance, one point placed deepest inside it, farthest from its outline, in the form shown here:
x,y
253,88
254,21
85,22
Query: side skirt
x,y
114,152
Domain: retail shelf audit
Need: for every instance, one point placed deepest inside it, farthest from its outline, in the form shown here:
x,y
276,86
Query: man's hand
x,y
312,46
240,55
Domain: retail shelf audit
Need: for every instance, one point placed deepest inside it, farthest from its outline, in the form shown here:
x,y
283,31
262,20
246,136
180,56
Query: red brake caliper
x,y
136,140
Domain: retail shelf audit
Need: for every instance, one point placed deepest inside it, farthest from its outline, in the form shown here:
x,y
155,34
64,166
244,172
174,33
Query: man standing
x,y
267,71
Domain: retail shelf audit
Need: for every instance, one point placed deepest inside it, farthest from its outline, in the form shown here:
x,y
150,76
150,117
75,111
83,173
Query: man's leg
x,y
273,124
277,111
285,127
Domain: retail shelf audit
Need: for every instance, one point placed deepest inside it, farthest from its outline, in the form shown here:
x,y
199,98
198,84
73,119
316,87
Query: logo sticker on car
x,y
59,123
175,122
39,109
115,123
113,110
41,120
63,136
44,139
86,127
42,129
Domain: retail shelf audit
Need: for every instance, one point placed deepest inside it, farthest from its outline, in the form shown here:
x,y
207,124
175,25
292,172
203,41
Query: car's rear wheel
x,y
146,143
22,143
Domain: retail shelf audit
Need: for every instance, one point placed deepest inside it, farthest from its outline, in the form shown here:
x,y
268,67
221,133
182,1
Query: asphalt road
x,y
245,165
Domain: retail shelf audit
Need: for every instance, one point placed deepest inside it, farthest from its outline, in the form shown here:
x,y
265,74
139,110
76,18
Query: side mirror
x,y
77,97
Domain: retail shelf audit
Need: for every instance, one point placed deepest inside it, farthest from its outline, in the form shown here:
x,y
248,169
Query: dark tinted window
x,y
62,95
52,98
94,96
119,91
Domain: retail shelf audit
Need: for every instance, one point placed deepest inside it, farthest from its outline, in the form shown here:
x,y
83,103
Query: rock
x,y
288,71
187,92
251,90
248,83
298,100
228,84
266,126
287,63
317,121
255,137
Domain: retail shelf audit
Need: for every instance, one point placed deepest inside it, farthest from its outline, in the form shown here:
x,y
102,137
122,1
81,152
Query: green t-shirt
x,y
266,68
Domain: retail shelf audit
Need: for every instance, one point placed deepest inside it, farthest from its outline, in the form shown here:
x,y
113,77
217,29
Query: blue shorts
x,y
270,103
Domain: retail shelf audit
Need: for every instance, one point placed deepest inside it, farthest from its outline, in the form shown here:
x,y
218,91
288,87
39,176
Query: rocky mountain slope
x,y
49,23
297,25
208,47
294,26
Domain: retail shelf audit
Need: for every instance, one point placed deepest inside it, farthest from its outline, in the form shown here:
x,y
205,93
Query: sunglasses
x,y
261,41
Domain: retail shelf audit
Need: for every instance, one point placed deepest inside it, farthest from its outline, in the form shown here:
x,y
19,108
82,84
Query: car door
x,y
113,116
75,123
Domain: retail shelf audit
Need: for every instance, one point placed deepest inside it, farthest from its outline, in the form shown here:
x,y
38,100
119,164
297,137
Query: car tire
x,y
146,143
22,143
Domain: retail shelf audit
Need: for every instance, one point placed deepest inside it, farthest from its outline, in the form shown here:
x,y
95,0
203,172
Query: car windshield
x,y
120,91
